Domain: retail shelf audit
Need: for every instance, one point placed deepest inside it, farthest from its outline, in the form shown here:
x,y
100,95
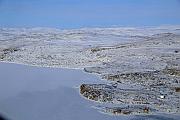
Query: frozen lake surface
x,y
32,93
36,93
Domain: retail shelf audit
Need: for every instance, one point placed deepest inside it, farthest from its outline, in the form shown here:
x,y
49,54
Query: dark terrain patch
x,y
5,52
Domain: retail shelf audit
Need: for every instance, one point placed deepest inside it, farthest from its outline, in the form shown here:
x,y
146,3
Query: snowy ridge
x,y
68,48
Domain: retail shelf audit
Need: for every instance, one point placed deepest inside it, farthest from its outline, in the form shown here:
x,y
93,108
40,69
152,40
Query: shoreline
x,y
149,60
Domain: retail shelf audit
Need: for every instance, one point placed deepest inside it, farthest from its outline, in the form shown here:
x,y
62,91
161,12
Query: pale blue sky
x,y
88,13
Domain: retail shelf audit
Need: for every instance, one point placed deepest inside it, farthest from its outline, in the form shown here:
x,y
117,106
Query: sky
x,y
88,13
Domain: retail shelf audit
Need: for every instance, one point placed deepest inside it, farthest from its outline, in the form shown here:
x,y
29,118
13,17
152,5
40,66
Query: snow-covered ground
x,y
68,48
145,57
